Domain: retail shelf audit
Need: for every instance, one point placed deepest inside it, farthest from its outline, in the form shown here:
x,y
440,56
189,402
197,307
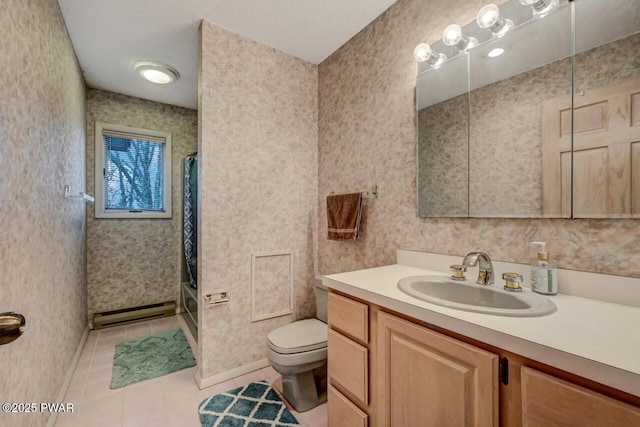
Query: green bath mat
x,y
150,357
255,405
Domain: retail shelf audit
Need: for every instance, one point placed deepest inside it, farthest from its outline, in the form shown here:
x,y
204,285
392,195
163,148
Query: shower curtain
x,y
189,216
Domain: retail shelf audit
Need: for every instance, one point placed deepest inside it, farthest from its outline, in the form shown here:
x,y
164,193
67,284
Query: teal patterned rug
x,y
150,357
255,405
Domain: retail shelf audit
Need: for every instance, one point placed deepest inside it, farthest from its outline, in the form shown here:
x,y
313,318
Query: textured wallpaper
x,y
443,158
367,135
258,166
132,262
42,245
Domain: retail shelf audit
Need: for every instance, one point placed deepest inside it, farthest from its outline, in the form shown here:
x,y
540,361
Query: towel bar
x,y
373,192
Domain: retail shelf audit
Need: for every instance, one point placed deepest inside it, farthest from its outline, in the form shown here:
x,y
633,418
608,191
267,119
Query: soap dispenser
x,y
544,274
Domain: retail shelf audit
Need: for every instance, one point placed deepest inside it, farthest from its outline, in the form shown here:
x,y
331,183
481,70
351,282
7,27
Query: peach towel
x,y
343,216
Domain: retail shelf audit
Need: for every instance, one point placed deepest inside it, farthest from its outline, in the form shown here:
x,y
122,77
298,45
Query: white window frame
x,y
99,183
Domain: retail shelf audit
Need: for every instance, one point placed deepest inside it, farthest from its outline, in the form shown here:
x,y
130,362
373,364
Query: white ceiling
x,y
108,35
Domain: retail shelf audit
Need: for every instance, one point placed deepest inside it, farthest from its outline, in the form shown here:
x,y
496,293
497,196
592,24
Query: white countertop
x,y
590,338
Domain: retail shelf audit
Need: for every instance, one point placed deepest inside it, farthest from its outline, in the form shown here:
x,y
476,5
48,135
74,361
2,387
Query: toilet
x,y
298,351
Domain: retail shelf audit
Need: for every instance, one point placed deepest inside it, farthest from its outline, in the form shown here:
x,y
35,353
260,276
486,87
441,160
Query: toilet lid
x,y
296,337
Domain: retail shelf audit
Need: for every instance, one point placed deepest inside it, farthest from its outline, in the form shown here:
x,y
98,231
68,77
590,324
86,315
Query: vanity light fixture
x,y
540,7
156,72
452,36
424,53
489,17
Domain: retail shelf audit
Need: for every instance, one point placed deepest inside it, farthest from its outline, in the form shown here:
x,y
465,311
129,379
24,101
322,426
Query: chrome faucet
x,y
485,275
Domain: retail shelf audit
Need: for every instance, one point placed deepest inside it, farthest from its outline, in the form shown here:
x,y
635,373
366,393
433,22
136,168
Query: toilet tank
x,y
321,299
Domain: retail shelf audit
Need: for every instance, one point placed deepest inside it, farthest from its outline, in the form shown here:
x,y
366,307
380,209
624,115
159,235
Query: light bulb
x,y
489,17
540,8
452,36
422,52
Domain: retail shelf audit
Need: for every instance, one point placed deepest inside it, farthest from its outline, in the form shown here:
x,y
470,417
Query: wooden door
x,y
606,153
549,401
429,379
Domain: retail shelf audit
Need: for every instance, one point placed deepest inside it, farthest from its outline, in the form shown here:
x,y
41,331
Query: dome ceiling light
x,y
156,72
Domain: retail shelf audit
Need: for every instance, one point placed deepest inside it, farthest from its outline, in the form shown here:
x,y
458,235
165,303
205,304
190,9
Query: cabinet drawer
x,y
348,365
349,317
548,400
343,413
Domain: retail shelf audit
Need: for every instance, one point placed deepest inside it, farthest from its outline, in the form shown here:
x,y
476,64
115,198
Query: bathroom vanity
x,y
394,360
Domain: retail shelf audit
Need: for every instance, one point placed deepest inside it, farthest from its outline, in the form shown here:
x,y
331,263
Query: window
x,y
133,172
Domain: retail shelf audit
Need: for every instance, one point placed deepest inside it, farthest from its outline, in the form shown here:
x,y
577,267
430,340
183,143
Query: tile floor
x,y
168,401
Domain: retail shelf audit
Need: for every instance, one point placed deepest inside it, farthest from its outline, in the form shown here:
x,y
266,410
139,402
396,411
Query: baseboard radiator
x,y
133,314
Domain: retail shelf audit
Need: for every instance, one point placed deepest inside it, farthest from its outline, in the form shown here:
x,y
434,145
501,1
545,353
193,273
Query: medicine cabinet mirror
x,y
538,131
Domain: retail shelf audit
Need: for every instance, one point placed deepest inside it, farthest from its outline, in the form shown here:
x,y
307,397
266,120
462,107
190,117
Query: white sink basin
x,y
468,296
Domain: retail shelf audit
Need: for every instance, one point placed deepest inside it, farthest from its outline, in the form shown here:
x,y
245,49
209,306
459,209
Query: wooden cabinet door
x,y
428,379
605,126
551,402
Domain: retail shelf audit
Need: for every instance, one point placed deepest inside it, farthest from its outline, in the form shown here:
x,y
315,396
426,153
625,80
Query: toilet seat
x,y
298,337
